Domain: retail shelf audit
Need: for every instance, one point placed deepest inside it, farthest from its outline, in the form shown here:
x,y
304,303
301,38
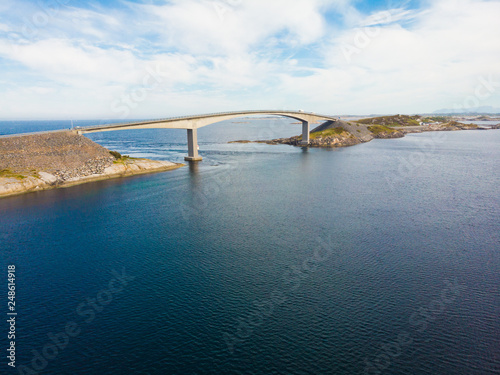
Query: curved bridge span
x,y
193,123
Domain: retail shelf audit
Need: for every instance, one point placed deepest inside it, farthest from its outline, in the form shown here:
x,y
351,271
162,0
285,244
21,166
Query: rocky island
x,y
50,160
348,133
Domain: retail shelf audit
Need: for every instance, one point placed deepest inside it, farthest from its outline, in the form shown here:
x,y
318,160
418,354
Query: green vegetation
x,y
377,129
123,159
461,125
327,133
397,120
9,174
119,158
436,119
116,154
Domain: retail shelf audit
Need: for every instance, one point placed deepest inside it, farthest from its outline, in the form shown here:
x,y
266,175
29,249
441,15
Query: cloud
x,y
386,17
433,62
321,55
211,27
60,60
192,45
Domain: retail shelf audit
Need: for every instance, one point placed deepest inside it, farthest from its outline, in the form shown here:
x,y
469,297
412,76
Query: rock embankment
x,y
64,154
58,159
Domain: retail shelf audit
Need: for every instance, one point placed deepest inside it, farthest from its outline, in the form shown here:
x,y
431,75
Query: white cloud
x,y
390,16
62,61
83,65
432,63
210,27
252,53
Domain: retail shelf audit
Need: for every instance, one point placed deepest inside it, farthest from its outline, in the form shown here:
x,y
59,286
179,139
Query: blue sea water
x,y
382,258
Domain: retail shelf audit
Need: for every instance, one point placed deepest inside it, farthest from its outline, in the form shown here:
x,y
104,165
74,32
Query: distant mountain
x,y
477,110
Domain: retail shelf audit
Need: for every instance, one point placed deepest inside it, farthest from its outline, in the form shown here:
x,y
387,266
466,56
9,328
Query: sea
x,y
381,258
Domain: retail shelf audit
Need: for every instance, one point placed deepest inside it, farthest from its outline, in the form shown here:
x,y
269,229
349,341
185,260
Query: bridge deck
x,y
182,119
194,122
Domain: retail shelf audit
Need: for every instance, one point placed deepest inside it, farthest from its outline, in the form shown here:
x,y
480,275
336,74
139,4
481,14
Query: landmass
x,y
50,160
341,133
56,159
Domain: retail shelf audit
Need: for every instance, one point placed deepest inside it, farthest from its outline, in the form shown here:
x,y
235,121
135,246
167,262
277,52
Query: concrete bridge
x,y
193,123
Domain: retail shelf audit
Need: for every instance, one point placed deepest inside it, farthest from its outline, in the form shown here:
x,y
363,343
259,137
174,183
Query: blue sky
x,y
62,59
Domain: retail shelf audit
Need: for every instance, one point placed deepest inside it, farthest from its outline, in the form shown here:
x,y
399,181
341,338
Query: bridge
x,y
193,123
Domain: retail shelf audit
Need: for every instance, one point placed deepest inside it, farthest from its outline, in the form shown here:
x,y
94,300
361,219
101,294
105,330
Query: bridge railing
x,y
176,118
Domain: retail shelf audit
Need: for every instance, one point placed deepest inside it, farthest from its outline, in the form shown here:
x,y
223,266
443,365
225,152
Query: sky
x,y
116,59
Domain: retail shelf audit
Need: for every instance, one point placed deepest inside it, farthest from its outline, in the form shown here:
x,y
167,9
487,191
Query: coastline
x,y
50,160
10,186
43,161
333,134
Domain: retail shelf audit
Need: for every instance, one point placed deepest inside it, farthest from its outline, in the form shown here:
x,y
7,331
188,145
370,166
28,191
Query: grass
x,y
9,174
124,159
397,120
116,154
461,125
327,133
119,158
377,129
436,119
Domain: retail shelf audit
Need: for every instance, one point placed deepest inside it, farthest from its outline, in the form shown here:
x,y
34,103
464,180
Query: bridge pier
x,y
192,135
305,133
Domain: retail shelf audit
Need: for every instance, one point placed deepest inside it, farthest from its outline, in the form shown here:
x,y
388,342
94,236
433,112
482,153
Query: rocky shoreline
x,y
349,133
61,159
330,137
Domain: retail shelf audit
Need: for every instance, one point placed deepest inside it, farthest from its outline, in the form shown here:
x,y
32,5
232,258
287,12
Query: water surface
x,y
267,259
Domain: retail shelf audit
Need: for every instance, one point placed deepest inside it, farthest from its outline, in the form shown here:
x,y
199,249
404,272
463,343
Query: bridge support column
x,y
192,135
305,133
